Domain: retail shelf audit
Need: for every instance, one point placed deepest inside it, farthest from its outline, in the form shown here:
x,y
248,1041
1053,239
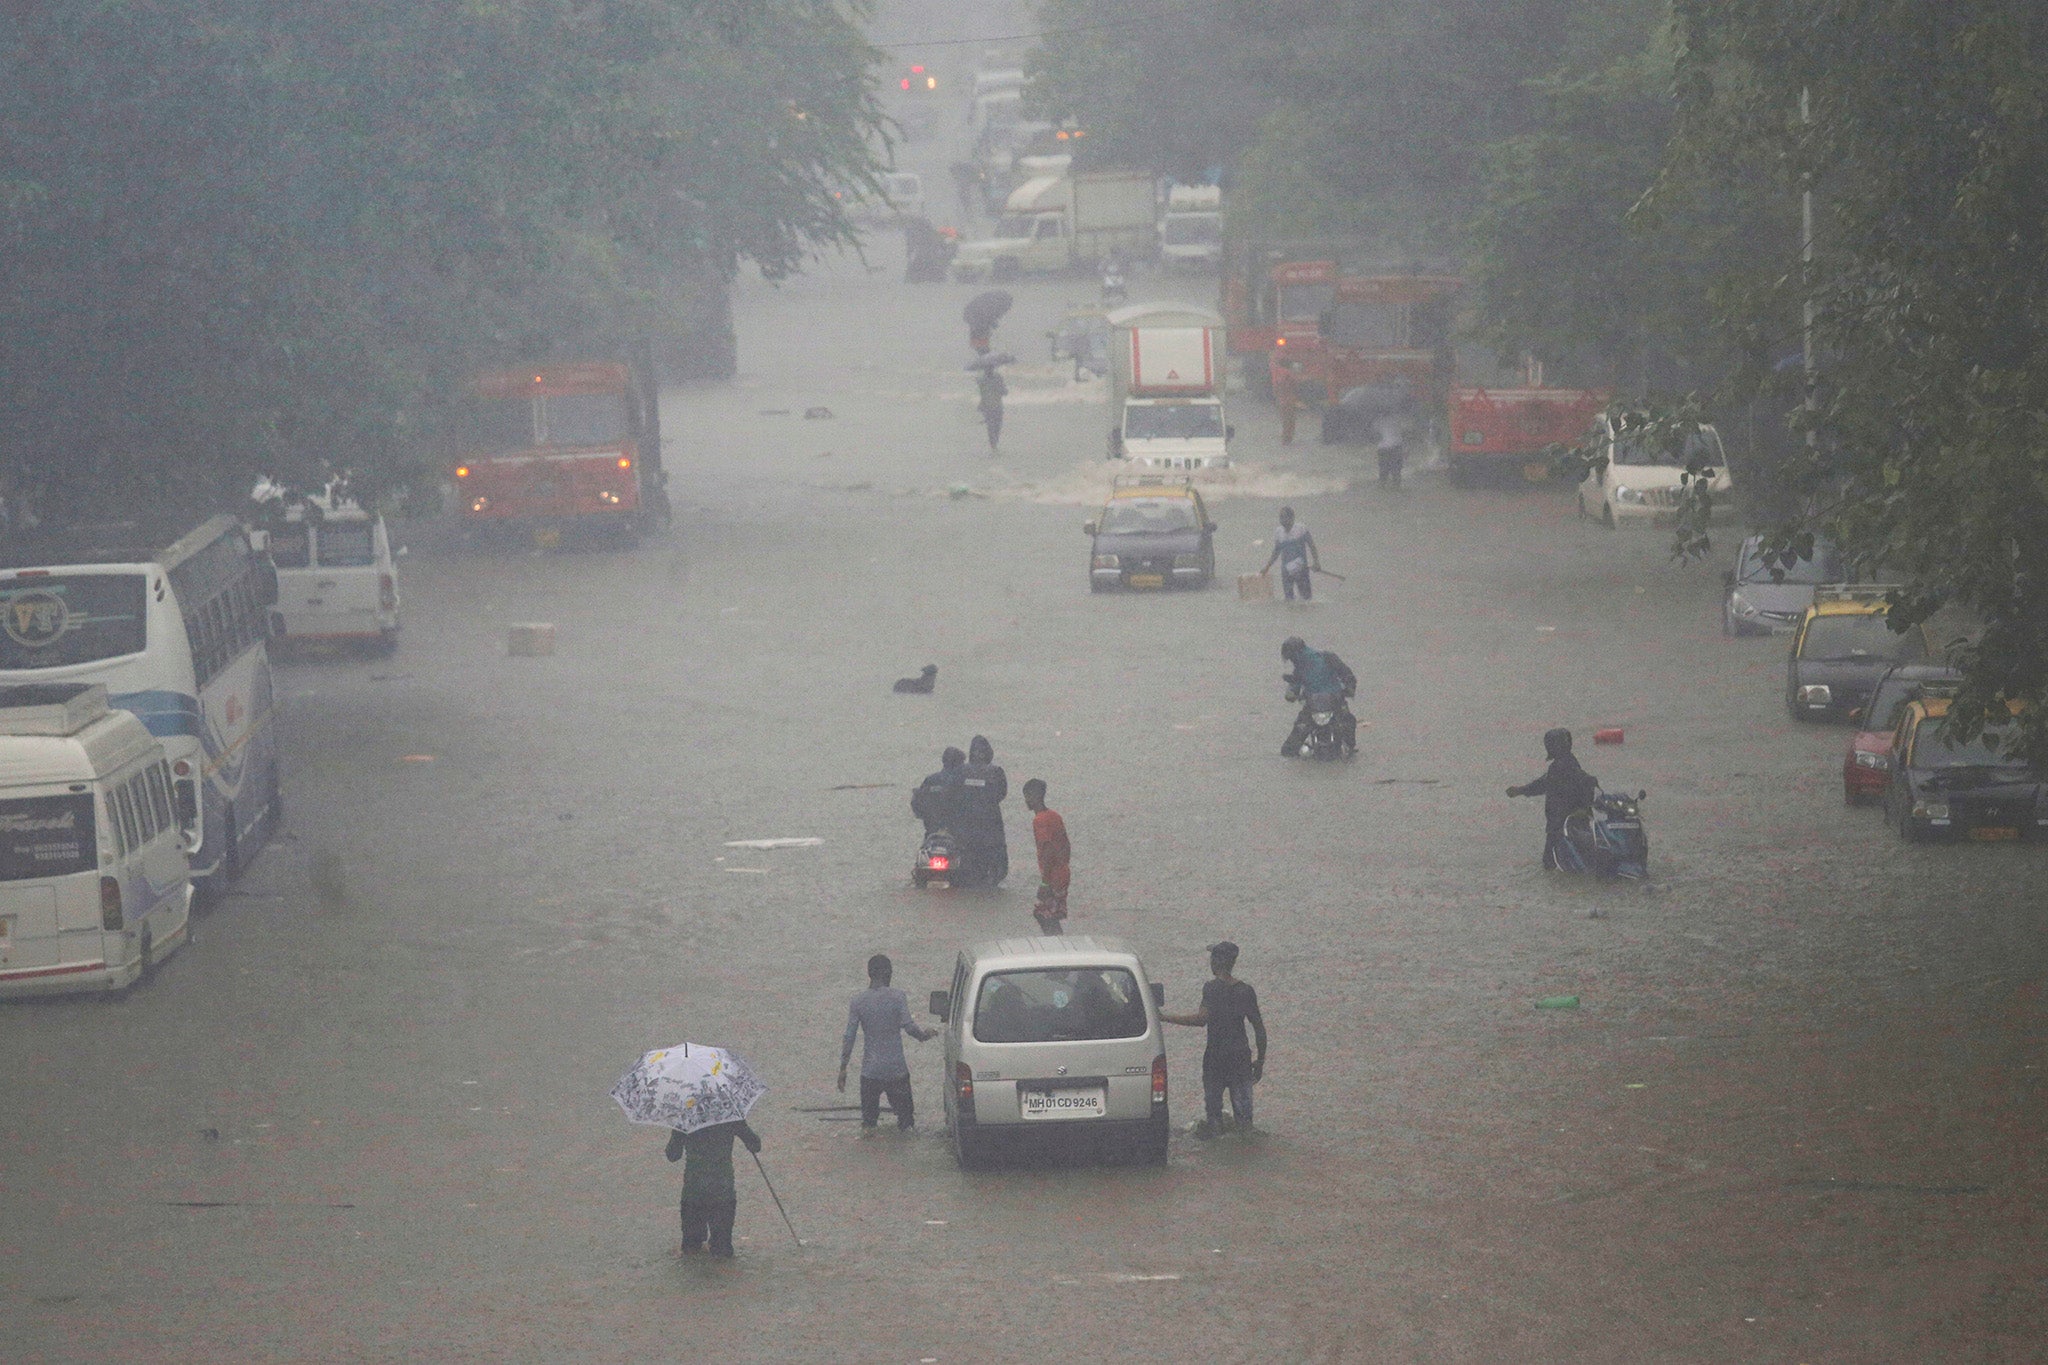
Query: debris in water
x,y
773,843
416,758
1558,1002
860,786
817,414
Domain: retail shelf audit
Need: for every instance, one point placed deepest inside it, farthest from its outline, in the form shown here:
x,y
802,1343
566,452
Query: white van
x,y
1053,1038
94,884
337,580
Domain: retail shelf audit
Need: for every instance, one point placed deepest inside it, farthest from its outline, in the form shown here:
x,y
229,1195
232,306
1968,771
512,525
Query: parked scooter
x,y
938,860
1607,839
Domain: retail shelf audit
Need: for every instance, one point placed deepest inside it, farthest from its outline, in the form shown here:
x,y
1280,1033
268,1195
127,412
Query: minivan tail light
x,y
387,591
110,903
1159,1079
963,1083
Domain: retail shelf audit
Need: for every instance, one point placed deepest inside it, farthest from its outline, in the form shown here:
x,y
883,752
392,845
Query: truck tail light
x,y
110,903
1159,1079
963,1084
387,591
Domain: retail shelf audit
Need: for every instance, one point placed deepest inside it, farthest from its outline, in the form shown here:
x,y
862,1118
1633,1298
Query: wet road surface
x,y
1797,1114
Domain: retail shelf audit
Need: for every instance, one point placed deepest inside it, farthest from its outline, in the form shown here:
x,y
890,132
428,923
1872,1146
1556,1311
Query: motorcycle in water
x,y
938,860
1607,839
1318,728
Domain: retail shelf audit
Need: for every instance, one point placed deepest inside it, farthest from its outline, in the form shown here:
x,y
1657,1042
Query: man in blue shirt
x,y
1318,673
882,1013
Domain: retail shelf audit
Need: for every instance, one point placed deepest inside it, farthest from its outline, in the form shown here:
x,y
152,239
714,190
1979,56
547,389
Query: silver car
x,y
1760,598
1053,1040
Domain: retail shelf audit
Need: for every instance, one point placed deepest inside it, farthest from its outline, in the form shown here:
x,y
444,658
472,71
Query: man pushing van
x,y
881,1012
1228,1062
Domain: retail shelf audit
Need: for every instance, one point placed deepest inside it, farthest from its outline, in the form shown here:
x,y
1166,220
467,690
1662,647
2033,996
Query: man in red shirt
x,y
1054,855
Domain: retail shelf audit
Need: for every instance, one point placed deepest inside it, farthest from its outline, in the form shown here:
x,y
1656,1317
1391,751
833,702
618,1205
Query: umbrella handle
x,y
776,1197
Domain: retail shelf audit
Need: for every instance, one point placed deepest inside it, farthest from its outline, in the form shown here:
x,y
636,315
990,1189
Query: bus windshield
x,y
53,620
1366,324
582,419
493,425
1305,302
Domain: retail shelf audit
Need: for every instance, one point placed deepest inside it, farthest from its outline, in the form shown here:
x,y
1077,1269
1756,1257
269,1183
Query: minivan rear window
x,y
1059,1005
46,836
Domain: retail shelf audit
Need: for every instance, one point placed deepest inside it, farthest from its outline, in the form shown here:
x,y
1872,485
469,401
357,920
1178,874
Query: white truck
x,y
1165,365
1191,229
1058,222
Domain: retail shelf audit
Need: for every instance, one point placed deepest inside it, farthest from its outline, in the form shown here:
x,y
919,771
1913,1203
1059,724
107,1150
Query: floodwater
x,y
1797,1114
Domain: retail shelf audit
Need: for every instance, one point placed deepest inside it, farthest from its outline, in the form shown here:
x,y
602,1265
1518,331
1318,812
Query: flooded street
x,y
1796,1114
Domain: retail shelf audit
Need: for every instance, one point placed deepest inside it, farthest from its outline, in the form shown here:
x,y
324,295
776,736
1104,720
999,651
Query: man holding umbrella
x,y
702,1095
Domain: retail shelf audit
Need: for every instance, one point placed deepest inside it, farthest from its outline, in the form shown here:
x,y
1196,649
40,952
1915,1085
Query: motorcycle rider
x,y
936,800
1565,787
1318,673
982,786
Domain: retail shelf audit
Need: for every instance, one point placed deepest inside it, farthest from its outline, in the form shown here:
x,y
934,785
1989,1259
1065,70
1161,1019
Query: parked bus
x,y
94,886
177,627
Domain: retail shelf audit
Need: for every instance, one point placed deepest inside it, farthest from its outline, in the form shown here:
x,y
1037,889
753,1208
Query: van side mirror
x,y
941,1005
1159,995
1088,528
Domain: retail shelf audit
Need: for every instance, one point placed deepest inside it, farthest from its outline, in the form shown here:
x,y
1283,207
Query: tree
x,y
268,238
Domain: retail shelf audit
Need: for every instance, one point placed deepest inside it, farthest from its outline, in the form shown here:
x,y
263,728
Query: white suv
x,y
1053,1039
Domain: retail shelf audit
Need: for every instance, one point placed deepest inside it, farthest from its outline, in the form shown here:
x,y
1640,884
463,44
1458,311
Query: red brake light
x,y
1159,1079
110,903
963,1081
906,82
940,862
917,71
625,462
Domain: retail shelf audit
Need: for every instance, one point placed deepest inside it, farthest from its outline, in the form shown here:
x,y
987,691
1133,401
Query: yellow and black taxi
x,y
1153,533
1843,646
1961,789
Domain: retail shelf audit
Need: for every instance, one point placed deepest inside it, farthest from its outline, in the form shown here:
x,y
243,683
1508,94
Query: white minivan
x,y
1053,1039
94,884
337,579
1644,481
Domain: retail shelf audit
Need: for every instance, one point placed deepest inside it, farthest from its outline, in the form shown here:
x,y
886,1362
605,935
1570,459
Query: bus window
x,y
160,797
131,835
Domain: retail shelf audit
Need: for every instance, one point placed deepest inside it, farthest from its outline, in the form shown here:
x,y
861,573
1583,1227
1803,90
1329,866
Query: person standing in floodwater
x,y
882,1014
710,1200
1228,1063
1296,551
1055,855
983,785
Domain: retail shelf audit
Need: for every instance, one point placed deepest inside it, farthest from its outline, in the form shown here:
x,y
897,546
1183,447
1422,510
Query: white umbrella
x,y
687,1087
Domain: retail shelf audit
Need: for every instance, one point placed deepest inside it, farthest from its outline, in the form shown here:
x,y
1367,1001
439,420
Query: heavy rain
x,y
505,509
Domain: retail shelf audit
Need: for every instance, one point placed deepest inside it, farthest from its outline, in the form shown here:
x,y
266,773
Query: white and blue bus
x,y
176,624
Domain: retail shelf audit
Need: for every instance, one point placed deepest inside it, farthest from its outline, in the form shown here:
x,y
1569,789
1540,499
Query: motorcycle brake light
x,y
940,862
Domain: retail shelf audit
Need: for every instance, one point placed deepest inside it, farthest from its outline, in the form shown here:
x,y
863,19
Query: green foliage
x,y
249,238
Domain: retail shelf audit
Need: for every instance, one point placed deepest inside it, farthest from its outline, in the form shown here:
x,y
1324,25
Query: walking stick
x,y
777,1198
1327,574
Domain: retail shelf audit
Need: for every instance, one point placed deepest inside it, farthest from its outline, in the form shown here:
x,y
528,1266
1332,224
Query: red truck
x,y
561,449
1271,289
1494,430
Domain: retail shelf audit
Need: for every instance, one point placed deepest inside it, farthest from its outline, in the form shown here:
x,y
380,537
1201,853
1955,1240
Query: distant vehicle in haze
x,y
1166,390
1843,646
1960,789
337,577
174,620
1767,598
1867,765
1191,228
1060,222
1151,534
561,449
95,888
1643,481
1510,432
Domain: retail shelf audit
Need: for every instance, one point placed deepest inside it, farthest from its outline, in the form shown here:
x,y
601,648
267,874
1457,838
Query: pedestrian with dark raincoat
x,y
710,1200
1565,787
936,800
983,785
991,388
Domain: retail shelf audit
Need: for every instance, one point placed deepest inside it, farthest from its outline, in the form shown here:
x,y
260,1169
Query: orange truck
x,y
1380,330
563,449
1493,431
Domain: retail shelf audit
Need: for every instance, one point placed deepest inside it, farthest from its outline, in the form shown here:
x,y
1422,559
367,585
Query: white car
x,y
1642,482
